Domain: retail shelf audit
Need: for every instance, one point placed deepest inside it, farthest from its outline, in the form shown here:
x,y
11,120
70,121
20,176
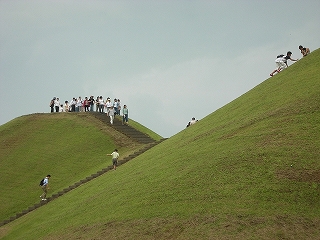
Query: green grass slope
x,y
250,170
68,146
144,129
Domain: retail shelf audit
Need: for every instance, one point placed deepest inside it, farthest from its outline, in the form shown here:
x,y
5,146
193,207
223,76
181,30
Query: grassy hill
x,y
69,146
250,170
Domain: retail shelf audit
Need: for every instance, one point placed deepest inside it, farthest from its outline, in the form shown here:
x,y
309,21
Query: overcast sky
x,y
168,60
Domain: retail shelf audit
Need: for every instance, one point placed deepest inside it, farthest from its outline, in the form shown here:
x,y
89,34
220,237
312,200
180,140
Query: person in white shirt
x,y
193,121
281,62
108,105
73,104
66,106
101,104
57,104
45,187
79,105
111,114
125,112
115,156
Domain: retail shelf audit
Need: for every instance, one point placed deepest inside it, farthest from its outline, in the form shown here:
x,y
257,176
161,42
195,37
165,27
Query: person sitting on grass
x,y
304,51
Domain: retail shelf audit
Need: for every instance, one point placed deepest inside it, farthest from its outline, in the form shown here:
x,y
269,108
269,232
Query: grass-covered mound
x,y
69,146
250,170
144,129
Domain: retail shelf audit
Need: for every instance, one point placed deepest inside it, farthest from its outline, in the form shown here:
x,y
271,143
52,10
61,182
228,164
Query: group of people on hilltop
x,y
281,60
89,105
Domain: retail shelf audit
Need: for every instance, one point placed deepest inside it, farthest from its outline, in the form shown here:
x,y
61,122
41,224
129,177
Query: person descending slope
x,y
44,184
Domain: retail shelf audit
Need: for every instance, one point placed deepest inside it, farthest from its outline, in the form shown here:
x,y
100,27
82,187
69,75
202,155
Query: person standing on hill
x,y
73,104
86,104
281,62
304,51
79,105
125,112
91,103
101,105
97,104
115,156
57,105
45,187
66,106
52,104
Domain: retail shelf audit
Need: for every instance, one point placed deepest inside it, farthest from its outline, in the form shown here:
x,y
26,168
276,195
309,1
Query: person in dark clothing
x,y
52,104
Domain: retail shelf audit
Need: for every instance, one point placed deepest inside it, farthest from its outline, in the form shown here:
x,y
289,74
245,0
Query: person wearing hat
x,y
281,62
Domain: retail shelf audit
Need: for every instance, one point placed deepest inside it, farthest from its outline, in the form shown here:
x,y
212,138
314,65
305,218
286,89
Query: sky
x,y
167,60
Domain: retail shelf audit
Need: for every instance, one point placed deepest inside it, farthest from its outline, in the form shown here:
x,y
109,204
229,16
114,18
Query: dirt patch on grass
x,y
4,230
300,175
199,227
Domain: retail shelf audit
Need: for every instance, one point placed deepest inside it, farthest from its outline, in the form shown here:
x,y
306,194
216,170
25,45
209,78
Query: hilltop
x,y
249,170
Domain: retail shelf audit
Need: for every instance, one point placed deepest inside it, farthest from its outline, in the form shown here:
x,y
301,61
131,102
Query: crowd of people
x,y
89,105
281,60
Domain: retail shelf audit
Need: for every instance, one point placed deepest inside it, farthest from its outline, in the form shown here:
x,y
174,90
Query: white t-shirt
x,y
45,181
192,122
101,103
56,103
115,155
79,103
108,104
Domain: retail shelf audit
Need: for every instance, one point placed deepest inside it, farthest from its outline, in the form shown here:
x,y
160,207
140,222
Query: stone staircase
x,y
125,129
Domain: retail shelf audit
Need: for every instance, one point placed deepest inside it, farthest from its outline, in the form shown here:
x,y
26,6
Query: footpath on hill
x,y
119,126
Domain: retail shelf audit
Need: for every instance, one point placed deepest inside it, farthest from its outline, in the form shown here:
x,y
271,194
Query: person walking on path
x,y
125,113
115,156
45,187
281,62
304,51
115,106
108,105
111,114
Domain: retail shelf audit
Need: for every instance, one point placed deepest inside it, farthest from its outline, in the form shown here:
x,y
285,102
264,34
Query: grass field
x,y
250,170
69,146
